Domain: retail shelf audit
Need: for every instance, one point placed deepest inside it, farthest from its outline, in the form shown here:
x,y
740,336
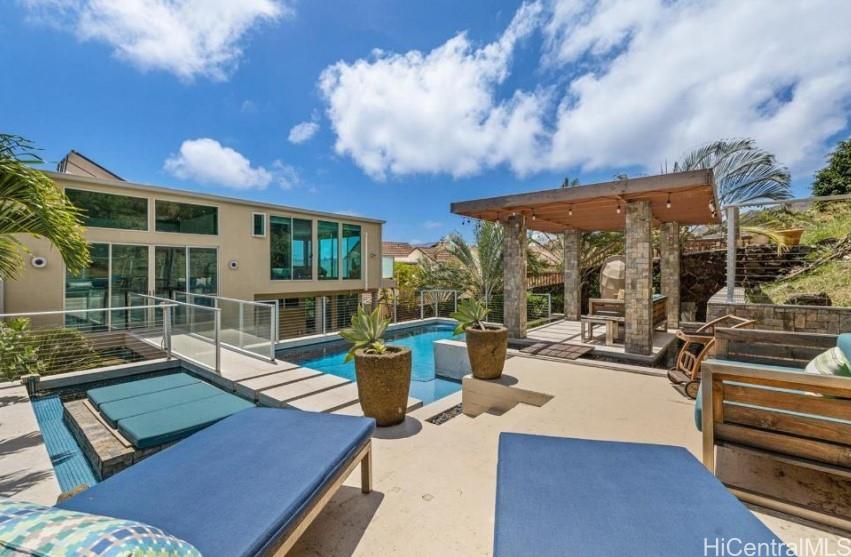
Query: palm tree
x,y
743,171
483,260
30,203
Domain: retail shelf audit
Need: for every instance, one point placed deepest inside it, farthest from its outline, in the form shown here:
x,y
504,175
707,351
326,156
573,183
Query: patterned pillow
x,y
830,362
38,531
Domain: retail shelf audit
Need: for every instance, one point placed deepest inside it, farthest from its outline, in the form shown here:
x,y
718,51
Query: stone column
x,y
670,263
572,275
514,276
639,278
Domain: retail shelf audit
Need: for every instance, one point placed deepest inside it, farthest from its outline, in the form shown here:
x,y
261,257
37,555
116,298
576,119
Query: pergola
x,y
634,205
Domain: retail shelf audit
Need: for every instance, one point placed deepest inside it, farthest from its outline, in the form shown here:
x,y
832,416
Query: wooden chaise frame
x,y
362,457
773,436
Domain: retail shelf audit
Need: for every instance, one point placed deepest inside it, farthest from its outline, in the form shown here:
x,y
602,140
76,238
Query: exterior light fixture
x,y
668,203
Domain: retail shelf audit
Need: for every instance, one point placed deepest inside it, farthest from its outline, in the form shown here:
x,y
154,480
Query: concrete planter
x,y
383,383
487,349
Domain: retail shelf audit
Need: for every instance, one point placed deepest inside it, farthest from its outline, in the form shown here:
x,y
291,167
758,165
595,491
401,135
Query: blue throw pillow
x,y
38,531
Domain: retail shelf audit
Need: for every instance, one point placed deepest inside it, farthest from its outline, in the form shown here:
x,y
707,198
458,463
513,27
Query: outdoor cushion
x,y
234,487
843,341
28,529
565,497
170,424
102,395
150,402
829,362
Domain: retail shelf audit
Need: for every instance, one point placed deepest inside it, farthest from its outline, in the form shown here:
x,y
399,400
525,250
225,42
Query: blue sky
x,y
394,109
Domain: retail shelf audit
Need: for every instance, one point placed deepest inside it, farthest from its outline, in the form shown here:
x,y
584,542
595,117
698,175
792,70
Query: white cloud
x,y
189,38
623,83
436,111
248,107
303,132
670,76
432,224
207,161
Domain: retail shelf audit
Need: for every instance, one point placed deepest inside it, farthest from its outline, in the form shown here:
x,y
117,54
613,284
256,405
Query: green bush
x,y
835,178
17,350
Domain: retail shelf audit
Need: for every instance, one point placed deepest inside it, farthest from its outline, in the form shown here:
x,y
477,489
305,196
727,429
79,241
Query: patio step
x,y
356,410
284,394
252,388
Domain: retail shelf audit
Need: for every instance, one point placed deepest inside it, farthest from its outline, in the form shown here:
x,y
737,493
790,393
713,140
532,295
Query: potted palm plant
x,y
383,371
487,343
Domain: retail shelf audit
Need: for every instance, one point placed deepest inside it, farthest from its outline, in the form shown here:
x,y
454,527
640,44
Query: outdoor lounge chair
x,y
563,496
697,346
248,485
778,436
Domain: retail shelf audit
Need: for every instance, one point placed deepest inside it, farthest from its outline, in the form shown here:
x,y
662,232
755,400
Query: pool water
x,y
425,385
72,468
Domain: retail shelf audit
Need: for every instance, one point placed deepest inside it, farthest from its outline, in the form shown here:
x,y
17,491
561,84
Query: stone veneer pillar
x,y
670,264
572,275
639,279
514,276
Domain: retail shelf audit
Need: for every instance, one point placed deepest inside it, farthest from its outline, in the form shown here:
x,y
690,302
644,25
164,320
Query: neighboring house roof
x,y
80,165
396,249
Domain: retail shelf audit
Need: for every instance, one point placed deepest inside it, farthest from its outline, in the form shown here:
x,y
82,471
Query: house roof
x,y
683,197
396,249
78,163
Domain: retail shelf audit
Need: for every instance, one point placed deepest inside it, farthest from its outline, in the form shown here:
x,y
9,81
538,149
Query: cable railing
x,y
249,327
194,330
56,342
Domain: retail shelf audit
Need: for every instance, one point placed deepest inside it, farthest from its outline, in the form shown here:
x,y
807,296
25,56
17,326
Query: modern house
x,y
161,241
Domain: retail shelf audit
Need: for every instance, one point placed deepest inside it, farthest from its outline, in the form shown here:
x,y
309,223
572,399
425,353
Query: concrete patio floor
x,y
435,485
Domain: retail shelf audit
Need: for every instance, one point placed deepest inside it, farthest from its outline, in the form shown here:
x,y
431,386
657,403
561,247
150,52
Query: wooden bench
x,y
777,437
613,325
606,306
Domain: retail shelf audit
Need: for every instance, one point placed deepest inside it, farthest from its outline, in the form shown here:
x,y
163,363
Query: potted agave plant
x,y
487,344
383,371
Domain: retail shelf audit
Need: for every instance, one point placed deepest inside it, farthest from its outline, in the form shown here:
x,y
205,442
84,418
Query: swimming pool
x,y
71,466
425,385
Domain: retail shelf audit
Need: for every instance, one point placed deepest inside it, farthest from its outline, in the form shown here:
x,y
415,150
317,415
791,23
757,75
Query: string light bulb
x,y
570,211
619,209
668,203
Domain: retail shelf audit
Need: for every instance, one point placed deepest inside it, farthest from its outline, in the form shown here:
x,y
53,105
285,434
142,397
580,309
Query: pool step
x,y
356,410
251,388
282,395
328,401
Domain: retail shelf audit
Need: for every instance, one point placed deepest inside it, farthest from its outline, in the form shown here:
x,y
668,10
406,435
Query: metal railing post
x,y
324,313
395,309
166,310
732,225
549,306
455,295
241,336
422,306
217,320
276,327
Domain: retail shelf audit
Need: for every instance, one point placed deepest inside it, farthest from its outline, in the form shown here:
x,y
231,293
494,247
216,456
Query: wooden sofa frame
x,y
772,436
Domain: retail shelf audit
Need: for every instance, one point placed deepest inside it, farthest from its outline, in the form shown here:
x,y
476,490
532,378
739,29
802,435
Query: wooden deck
x,y
569,331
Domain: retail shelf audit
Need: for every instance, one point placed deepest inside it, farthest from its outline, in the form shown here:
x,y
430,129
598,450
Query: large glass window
x,y
186,218
387,267
89,289
302,249
203,272
329,250
169,270
351,251
106,210
129,273
280,256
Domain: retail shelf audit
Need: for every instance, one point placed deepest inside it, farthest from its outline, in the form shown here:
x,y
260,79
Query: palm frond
x,y
743,171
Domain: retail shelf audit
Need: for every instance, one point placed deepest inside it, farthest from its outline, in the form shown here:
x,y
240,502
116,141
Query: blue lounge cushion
x,y
233,488
118,410
170,424
111,393
560,496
